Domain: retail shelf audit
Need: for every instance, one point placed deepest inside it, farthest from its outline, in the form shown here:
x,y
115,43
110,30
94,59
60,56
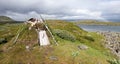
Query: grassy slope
x,y
14,54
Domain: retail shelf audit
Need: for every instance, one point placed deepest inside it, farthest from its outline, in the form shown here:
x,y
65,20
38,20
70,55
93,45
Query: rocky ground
x,y
112,41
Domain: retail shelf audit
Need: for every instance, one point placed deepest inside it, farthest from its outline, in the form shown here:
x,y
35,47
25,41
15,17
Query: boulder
x,y
82,47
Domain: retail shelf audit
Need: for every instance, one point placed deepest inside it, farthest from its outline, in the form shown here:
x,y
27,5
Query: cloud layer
x,y
61,9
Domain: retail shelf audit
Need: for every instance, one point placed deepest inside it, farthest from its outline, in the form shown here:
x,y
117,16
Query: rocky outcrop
x,y
112,41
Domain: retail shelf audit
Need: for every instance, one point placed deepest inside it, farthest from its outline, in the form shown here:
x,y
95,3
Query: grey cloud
x,y
111,15
60,9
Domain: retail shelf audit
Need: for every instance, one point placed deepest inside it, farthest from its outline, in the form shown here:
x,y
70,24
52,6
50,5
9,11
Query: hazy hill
x,y
5,18
96,22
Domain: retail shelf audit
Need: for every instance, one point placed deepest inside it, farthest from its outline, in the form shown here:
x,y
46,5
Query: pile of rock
x,y
112,41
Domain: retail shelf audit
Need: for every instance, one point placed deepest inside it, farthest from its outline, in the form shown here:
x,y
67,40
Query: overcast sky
x,y
61,9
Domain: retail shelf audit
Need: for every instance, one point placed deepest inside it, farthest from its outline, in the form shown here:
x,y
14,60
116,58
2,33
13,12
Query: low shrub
x,y
89,38
64,34
3,40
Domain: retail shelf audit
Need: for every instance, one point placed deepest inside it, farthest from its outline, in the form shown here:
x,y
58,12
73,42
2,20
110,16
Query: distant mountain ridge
x,y
99,20
5,18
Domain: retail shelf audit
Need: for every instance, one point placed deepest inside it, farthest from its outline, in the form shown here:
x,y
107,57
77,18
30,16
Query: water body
x,y
94,28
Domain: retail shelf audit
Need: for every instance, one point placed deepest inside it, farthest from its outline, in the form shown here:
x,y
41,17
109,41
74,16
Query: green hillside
x,y
75,46
5,18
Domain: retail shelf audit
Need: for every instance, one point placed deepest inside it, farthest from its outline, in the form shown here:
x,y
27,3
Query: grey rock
x,y
53,58
82,47
112,41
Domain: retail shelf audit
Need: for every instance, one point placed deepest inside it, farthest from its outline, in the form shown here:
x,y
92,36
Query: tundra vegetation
x,y
75,46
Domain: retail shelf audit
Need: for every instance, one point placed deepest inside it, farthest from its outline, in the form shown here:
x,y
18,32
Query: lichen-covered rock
x,y
82,47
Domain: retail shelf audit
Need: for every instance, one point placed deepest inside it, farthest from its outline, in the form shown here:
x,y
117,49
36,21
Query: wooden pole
x,y
18,34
